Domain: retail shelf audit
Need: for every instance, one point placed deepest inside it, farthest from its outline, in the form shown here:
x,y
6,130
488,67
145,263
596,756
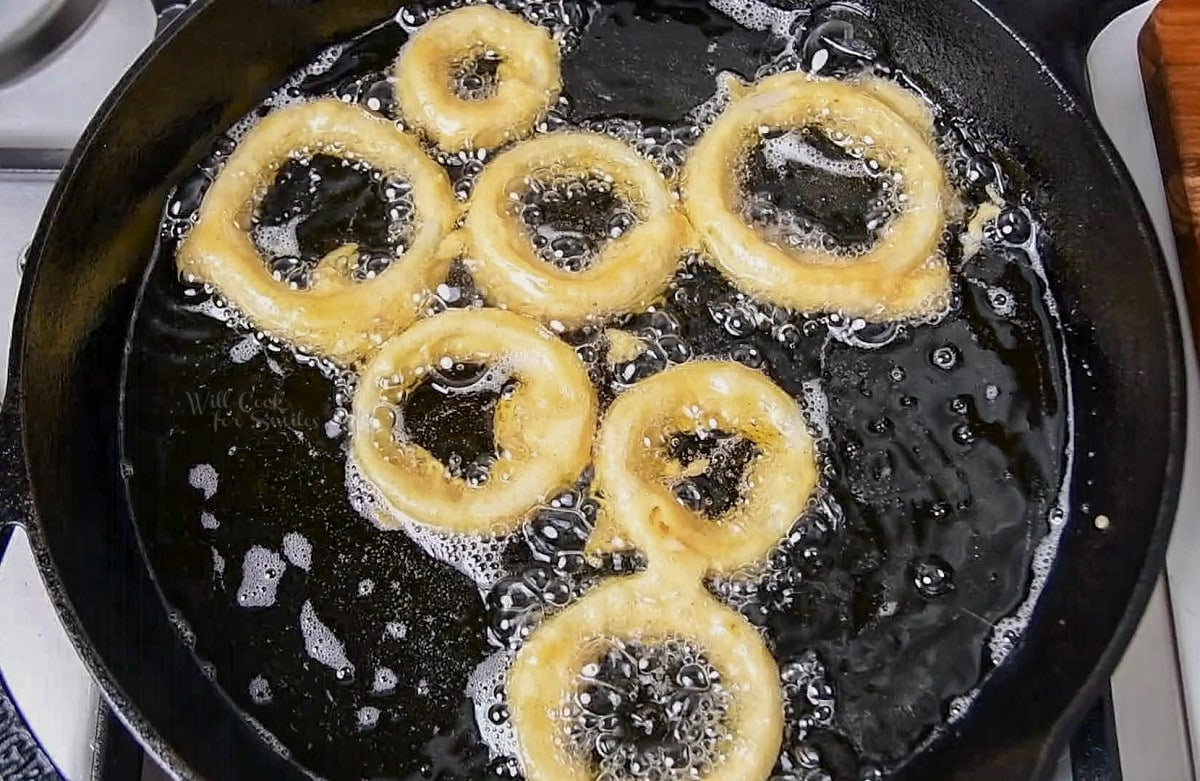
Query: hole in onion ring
x,y
713,467
804,190
475,77
649,706
318,204
450,414
570,219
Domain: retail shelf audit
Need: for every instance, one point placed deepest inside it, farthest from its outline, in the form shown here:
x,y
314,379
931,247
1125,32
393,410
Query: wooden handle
x,y
1169,49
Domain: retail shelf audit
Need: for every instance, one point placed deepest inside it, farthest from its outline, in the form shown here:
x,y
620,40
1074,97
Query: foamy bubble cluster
x,y
665,145
384,681
807,692
203,477
816,408
479,558
759,15
322,645
262,570
366,718
218,567
570,219
782,156
654,711
260,691
181,626
486,689
298,550
244,350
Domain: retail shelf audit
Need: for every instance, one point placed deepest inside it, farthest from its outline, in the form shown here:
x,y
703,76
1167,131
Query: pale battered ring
x,y
334,316
902,276
634,472
631,271
649,607
527,78
543,430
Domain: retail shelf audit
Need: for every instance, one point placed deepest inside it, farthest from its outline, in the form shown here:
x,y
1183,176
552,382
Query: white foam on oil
x,y
279,241
858,332
1001,301
758,15
366,717
212,307
298,550
395,630
791,149
262,570
218,566
245,350
707,111
479,558
260,691
204,478
1007,633
209,521
490,676
385,681
186,634
321,644
815,405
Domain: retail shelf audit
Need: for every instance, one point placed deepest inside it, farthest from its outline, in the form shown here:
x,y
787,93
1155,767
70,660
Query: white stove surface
x,y
59,699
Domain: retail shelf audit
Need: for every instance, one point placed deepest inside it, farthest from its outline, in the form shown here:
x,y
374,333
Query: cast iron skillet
x,y
1018,64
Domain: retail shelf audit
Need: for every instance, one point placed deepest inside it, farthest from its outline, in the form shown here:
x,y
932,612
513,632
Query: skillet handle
x,y
1061,31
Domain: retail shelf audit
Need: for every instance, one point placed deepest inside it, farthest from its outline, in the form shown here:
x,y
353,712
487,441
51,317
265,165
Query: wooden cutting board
x,y
1169,50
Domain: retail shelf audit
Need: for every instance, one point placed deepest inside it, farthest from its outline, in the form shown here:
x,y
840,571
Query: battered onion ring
x,y
334,316
634,471
542,430
903,102
654,606
901,276
527,78
630,272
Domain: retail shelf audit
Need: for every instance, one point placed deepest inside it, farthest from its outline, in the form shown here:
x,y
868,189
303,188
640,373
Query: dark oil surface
x,y
943,460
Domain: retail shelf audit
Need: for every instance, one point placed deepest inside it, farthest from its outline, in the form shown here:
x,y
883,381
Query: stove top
x,y
43,114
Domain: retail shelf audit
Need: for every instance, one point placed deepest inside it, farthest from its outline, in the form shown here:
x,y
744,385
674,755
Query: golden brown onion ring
x,y
635,473
542,430
631,270
527,78
334,316
903,275
652,607
915,111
